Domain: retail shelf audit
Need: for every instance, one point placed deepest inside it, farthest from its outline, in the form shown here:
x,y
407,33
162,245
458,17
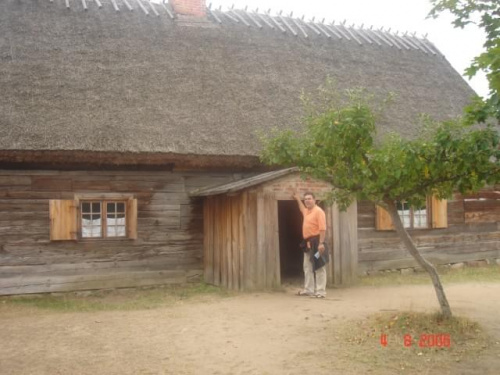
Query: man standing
x,y
315,256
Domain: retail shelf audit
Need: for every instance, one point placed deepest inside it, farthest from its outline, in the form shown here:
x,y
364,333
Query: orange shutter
x,y
63,220
439,209
132,219
383,221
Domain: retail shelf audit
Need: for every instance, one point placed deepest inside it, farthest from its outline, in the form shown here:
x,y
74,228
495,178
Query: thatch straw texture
x,y
102,80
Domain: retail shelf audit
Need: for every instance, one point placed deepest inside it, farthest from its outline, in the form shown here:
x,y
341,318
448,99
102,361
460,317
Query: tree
x,y
339,145
486,15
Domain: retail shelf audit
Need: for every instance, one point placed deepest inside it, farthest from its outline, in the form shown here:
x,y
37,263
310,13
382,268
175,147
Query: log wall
x,y
170,231
473,233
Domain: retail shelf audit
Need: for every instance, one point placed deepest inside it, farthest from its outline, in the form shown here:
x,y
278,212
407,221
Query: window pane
x,y
116,231
120,231
420,218
96,207
96,232
404,213
406,221
120,207
110,221
86,232
111,207
111,232
85,207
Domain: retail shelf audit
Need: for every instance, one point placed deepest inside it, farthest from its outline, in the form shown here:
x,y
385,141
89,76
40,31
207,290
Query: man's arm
x,y
321,246
322,235
296,196
322,231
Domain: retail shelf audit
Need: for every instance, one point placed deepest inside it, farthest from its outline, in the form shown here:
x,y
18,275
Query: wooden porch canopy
x,y
241,239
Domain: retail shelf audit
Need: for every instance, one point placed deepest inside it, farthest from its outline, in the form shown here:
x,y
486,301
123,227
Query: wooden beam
x,y
251,241
208,247
288,25
141,5
264,20
235,240
334,32
254,20
115,5
216,241
239,16
261,242
64,283
337,254
223,240
128,5
276,23
229,242
153,9
296,22
242,238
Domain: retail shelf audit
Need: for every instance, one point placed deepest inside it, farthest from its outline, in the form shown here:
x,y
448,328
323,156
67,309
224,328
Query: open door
x,y
290,236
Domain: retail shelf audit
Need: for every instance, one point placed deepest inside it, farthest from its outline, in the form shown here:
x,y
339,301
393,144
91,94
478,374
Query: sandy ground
x,y
261,333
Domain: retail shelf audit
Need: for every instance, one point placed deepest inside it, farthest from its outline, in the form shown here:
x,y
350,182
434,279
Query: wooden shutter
x,y
439,209
132,218
63,220
383,220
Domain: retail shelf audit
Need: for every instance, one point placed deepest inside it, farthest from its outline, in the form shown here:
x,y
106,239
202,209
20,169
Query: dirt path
x,y
260,333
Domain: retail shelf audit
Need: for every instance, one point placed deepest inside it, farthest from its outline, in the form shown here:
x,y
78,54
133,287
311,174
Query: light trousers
x,y
310,286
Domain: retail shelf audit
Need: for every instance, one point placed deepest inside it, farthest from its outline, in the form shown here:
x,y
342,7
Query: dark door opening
x,y
290,236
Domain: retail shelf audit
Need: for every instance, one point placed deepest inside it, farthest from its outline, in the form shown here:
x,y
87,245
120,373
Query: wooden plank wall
x,y
344,260
170,231
483,207
241,242
469,236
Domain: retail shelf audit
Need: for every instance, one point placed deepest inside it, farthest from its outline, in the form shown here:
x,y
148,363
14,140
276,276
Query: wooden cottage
x,y
128,144
252,228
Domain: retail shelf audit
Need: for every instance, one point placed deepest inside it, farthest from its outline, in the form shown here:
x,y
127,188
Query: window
x,y
103,219
413,217
433,214
91,216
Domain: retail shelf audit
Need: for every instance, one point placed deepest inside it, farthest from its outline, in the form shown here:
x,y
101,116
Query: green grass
x,y
464,275
118,299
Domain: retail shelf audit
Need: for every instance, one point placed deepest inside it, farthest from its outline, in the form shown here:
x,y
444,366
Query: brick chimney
x,y
194,8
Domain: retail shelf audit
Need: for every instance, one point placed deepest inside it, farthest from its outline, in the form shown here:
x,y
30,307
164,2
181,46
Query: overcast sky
x,y
459,46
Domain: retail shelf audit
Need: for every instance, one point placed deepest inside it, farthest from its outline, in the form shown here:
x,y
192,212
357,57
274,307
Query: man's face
x,y
309,201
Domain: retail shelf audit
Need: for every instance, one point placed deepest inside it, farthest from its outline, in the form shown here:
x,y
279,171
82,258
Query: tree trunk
x,y
410,245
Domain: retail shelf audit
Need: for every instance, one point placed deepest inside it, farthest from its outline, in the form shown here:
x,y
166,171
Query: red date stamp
x,y
425,340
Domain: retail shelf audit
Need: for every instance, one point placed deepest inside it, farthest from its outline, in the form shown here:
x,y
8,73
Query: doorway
x,y
290,236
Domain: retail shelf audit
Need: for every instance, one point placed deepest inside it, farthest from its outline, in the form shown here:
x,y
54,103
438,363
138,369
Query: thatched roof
x,y
101,80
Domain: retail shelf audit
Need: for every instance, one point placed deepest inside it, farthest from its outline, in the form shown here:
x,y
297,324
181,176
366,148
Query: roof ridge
x,y
359,34
287,24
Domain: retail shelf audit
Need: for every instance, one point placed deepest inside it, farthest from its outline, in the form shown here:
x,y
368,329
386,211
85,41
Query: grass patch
x,y
465,275
116,299
413,342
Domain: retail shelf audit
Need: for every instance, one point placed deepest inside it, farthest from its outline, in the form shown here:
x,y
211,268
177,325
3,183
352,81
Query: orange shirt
x,y
314,221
